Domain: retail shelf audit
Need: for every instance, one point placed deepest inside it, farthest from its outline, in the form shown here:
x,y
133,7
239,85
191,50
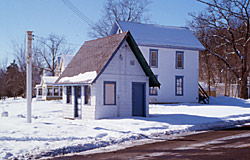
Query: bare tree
x,y
210,66
123,10
50,49
37,63
19,52
3,64
226,23
3,67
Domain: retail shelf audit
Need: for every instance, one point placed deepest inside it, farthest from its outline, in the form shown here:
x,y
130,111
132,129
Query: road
x,y
214,145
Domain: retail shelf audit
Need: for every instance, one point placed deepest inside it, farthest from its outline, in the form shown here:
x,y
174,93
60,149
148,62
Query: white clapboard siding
x,y
166,72
68,111
123,73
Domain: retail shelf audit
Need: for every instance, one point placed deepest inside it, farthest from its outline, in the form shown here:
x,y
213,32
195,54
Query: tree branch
x,y
225,61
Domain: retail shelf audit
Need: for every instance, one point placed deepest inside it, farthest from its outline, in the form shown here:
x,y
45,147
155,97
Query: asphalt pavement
x,y
228,144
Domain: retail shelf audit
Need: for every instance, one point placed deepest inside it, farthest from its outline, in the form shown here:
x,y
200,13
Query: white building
x,y
62,63
46,91
108,77
173,55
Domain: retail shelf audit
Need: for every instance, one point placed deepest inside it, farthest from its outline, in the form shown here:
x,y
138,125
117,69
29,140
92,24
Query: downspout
x,y
119,86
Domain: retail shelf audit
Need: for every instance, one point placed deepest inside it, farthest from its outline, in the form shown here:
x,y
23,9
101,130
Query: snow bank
x,y
49,134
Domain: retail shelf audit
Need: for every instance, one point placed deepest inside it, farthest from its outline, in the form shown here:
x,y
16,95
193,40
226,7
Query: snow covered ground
x,y
50,134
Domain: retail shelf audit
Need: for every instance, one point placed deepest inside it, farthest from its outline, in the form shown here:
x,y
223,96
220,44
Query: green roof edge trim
x,y
153,82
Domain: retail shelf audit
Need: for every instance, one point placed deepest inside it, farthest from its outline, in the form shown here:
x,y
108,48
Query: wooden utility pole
x,y
29,75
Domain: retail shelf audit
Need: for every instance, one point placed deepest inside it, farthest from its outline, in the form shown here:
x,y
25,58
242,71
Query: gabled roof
x,y
66,58
158,35
93,57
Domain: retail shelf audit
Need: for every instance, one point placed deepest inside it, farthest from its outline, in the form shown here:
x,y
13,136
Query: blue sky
x,y
53,16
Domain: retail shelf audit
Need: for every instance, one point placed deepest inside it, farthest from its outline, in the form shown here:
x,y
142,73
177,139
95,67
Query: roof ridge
x,y
159,25
106,37
96,59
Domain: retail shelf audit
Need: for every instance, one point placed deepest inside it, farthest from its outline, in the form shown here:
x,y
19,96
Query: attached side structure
x,y
46,89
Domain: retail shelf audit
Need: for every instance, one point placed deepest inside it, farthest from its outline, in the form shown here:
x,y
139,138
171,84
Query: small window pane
x,y
40,91
153,55
86,94
61,91
49,92
56,92
69,94
153,62
153,90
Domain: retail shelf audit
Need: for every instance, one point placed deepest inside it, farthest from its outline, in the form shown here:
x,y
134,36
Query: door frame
x,y
144,97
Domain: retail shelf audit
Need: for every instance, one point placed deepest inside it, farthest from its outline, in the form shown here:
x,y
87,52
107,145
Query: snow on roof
x,y
38,86
158,35
49,79
66,58
86,77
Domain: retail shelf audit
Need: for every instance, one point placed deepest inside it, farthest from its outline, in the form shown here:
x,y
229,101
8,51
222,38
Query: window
x,y
153,58
153,90
49,91
69,94
56,91
86,94
132,62
179,59
40,91
109,93
61,91
78,91
179,85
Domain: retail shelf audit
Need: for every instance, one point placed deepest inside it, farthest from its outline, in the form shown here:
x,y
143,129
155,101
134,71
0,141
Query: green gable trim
x,y
153,82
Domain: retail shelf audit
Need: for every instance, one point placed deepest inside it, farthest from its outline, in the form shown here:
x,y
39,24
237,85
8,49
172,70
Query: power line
x,y
81,15
78,12
39,37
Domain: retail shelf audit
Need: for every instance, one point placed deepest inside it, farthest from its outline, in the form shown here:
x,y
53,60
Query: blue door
x,y
138,99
